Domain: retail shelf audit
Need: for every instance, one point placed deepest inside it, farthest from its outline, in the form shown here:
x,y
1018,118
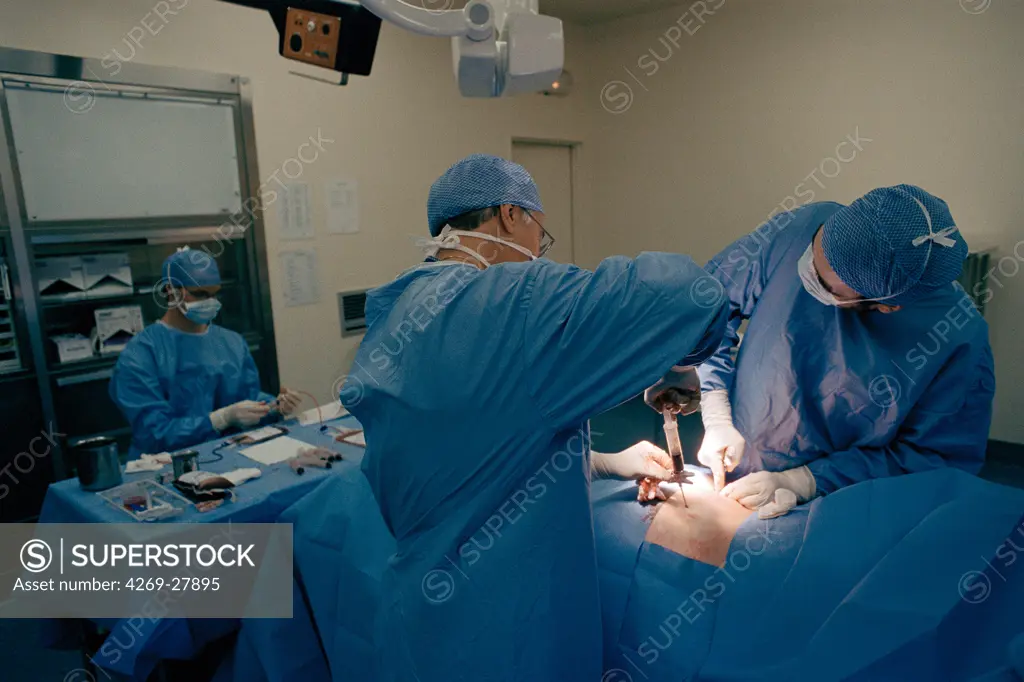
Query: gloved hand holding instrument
x,y
643,462
287,402
722,447
678,391
239,415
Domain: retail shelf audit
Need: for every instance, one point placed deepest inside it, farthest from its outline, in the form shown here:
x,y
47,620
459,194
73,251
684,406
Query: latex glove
x,y
781,505
239,415
760,488
643,460
679,390
288,401
723,446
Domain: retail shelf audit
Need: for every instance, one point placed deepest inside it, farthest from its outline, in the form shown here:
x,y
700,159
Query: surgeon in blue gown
x,y
863,357
184,380
475,382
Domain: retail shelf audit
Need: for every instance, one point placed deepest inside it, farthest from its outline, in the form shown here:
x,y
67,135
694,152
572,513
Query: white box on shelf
x,y
115,327
60,278
107,274
72,347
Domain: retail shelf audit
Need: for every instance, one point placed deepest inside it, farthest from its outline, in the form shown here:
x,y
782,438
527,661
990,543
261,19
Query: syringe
x,y
675,448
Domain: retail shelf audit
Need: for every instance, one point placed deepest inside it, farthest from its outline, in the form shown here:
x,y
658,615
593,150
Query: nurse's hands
x,y
288,401
239,415
679,391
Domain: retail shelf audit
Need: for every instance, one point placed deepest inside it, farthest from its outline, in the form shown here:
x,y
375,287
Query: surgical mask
x,y
449,240
201,312
811,280
813,284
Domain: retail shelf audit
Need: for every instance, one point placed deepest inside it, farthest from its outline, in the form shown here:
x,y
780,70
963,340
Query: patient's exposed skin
x,y
703,530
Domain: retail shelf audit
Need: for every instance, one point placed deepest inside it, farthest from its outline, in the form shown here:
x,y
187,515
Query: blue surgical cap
x,y
479,181
191,268
899,242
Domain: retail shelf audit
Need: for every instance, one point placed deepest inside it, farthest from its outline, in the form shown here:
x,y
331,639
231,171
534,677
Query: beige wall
x,y
395,133
759,94
751,100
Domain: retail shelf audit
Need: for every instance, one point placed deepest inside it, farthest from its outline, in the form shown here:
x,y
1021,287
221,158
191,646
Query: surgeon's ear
x,y
507,218
173,295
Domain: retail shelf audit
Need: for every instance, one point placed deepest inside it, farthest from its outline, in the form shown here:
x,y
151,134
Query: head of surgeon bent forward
x,y
486,210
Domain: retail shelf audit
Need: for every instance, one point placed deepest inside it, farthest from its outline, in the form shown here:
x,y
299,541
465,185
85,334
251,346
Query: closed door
x,y
551,168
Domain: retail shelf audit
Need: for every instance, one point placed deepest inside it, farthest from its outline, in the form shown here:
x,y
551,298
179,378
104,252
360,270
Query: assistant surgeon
x,y
863,356
475,383
184,380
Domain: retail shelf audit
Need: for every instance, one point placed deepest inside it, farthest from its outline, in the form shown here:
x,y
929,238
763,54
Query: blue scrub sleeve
x,y
948,427
251,381
251,388
596,339
155,428
740,272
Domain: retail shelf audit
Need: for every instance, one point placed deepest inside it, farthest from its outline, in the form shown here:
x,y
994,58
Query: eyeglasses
x,y
546,240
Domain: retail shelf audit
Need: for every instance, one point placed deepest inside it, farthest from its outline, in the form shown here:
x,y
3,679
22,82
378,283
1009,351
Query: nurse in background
x,y
184,381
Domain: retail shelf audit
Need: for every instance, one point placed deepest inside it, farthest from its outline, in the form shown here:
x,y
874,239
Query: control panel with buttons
x,y
312,37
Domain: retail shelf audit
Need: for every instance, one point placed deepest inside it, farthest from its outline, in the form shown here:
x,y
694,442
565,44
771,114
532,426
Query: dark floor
x,y
24,660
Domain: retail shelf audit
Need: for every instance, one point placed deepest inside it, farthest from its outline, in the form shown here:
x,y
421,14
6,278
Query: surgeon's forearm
x,y
716,373
847,467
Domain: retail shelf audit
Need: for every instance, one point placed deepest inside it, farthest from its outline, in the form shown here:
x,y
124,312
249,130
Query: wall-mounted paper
x,y
342,206
294,210
299,277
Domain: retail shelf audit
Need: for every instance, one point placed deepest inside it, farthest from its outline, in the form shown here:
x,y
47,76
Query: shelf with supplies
x,y
15,375
57,301
10,353
90,366
84,255
100,367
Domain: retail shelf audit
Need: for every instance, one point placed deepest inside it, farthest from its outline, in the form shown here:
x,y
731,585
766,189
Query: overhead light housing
x,y
560,87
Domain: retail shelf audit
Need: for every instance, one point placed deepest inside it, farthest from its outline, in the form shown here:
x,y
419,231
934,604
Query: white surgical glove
x,y
288,401
722,447
239,415
763,488
643,460
781,505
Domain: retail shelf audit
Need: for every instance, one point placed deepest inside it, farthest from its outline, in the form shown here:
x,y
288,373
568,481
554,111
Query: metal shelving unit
x,y
10,353
42,221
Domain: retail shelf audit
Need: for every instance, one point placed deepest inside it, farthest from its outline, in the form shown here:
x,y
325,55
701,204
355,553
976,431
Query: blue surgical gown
x,y
853,395
474,388
167,382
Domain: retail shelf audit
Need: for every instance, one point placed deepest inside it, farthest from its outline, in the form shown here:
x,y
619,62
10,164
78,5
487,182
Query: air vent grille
x,y
352,310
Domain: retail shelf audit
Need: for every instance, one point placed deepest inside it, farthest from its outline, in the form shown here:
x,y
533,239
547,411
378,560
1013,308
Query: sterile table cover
x,y
135,650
